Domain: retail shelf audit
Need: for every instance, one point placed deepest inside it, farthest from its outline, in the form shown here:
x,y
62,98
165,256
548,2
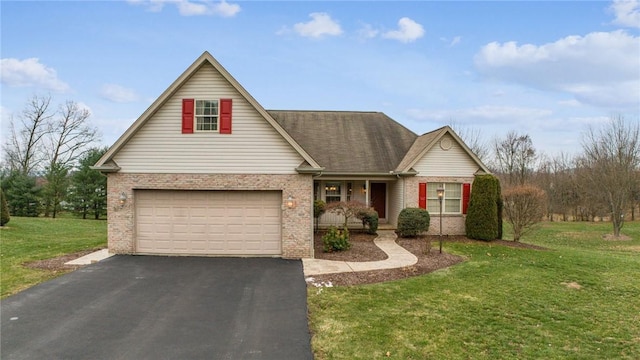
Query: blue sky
x,y
547,69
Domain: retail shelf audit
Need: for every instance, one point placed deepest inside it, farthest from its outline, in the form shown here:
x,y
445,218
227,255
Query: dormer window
x,y
206,115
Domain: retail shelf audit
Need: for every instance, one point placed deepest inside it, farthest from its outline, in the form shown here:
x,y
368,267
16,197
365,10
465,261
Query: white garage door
x,y
208,222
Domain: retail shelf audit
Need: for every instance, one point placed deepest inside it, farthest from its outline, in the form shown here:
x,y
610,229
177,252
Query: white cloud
x,y
408,31
83,106
30,72
486,113
453,42
117,93
456,40
627,12
600,68
367,32
321,24
192,8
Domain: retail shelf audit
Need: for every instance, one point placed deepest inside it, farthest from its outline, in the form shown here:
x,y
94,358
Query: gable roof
x,y
425,142
348,142
106,163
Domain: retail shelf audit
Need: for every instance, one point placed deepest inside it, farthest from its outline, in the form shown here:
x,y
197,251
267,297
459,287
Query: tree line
x,y
600,181
47,158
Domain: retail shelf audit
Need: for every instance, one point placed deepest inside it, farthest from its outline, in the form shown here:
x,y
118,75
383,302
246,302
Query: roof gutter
x,y
105,169
310,170
379,174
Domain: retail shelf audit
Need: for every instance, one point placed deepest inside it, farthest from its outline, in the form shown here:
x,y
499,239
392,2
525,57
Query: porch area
x,y
383,195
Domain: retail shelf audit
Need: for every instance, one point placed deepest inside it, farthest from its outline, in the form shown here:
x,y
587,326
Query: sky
x,y
547,69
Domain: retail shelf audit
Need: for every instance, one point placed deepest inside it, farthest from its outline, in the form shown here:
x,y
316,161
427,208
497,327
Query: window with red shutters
x,y
226,106
422,195
466,193
187,116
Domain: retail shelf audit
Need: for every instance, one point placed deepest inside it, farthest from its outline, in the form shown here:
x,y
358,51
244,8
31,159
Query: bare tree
x,y
612,156
523,208
70,135
515,158
24,148
473,138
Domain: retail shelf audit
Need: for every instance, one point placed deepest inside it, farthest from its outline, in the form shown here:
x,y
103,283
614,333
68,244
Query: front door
x,y
379,199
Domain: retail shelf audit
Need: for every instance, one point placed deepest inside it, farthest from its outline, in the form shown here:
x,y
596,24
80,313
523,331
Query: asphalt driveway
x,y
152,307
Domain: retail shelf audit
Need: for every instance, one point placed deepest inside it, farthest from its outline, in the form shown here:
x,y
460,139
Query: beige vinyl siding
x,y
395,203
450,163
253,147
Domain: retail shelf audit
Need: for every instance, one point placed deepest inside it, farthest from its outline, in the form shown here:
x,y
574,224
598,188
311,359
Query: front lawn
x,y
25,240
578,300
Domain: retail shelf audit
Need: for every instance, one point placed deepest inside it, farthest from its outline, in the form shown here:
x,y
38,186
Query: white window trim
x,y
444,199
195,116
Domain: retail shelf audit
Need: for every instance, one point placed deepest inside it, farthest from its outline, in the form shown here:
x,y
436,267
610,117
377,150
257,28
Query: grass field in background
x,y
578,300
27,239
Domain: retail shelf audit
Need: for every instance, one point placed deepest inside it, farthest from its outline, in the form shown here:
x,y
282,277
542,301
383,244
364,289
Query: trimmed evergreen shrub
x,y
482,215
319,208
413,222
336,239
4,209
369,218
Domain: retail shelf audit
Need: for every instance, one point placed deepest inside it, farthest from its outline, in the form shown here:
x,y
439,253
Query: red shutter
x,y
466,192
422,195
225,116
187,116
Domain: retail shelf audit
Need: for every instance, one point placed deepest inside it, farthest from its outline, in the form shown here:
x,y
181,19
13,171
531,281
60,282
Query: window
x,y
333,191
206,115
452,201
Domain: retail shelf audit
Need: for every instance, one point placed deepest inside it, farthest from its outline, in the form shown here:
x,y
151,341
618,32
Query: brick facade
x,y
451,224
297,223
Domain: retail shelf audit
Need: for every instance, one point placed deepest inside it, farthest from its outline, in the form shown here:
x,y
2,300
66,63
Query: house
x,y
206,170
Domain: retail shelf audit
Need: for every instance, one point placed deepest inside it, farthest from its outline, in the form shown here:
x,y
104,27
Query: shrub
x,y
523,208
336,240
413,222
347,209
319,208
482,215
369,218
4,209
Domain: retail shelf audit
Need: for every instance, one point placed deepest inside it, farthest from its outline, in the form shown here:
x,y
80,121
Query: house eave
x,y
105,169
367,174
309,170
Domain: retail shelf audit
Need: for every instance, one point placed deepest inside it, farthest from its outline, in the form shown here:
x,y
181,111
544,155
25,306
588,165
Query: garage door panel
x,y
208,222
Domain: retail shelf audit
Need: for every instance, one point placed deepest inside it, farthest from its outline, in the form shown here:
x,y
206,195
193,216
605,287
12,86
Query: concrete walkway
x,y
398,257
90,258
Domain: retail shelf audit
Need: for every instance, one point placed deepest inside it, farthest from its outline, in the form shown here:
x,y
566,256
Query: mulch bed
x,y
58,264
428,261
362,248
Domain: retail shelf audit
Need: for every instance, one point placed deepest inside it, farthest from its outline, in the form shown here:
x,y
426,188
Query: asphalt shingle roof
x,y
348,142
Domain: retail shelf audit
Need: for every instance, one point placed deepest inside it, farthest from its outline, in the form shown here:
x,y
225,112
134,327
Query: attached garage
x,y
228,223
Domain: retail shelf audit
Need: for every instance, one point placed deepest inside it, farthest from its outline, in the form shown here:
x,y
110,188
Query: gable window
x,y
206,115
452,201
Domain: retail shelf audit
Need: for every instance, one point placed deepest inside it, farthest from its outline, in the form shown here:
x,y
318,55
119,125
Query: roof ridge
x,y
327,111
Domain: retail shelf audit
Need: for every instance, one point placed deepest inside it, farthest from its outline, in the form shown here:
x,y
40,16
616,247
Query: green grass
x,y
28,239
502,303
